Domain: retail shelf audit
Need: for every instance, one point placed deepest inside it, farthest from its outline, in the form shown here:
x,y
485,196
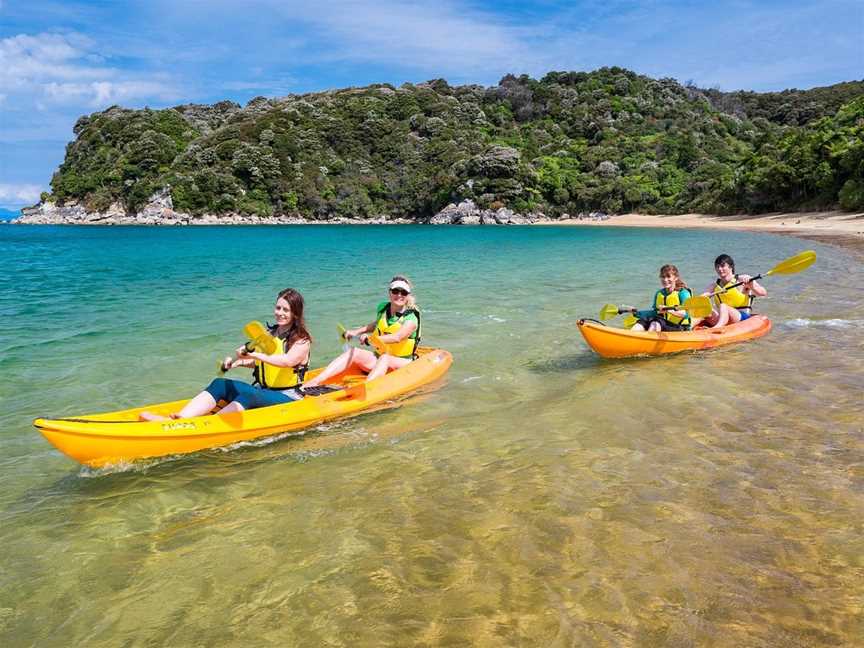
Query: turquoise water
x,y
541,496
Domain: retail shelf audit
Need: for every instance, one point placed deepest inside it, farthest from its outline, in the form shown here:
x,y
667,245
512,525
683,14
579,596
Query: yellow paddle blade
x,y
260,338
377,344
342,331
630,320
608,311
797,263
254,330
699,306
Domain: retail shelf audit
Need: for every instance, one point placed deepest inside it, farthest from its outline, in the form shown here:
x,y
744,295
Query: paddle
x,y
373,340
699,306
343,332
259,340
609,311
793,264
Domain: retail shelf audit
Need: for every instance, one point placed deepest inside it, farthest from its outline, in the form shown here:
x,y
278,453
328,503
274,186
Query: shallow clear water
x,y
540,496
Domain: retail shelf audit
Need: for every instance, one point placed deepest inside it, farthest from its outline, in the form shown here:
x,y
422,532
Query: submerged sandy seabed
x,y
840,228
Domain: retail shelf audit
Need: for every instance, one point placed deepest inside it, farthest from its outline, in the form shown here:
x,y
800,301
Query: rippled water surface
x,y
539,496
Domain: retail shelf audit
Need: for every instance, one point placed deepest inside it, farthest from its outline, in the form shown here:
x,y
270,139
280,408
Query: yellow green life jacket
x,y
273,377
407,347
734,297
672,299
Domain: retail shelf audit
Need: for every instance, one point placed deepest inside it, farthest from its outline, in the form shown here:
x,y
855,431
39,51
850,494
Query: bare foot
x,y
149,416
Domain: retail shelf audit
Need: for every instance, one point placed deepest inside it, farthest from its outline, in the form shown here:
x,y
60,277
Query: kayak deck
x,y
612,342
112,437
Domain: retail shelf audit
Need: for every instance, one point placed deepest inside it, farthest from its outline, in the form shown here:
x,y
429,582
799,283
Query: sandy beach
x,y
839,228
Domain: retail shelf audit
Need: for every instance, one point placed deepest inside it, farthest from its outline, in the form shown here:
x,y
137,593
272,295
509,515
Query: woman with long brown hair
x,y
277,376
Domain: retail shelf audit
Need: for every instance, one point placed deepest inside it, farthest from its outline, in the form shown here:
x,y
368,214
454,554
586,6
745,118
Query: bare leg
x,y
233,406
734,315
655,327
150,416
360,357
712,319
726,316
637,327
386,363
202,404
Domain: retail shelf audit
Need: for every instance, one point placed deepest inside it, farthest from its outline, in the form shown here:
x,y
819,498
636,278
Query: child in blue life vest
x,y
394,334
664,316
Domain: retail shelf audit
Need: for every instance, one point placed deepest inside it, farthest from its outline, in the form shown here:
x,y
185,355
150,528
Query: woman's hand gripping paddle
x,y
371,340
259,340
343,334
358,391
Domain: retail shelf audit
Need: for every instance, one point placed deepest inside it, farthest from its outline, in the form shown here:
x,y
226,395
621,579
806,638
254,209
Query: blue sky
x,y
60,59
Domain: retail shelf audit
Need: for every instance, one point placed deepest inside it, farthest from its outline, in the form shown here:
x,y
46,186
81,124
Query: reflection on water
x,y
540,496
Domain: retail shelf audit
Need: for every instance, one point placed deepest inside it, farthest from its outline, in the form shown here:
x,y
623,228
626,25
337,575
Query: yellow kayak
x,y
113,437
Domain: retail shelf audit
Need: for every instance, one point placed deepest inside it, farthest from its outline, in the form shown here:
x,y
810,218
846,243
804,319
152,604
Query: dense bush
x,y
572,141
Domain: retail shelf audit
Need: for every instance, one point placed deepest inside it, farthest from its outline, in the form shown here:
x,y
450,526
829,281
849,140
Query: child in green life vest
x,y
394,334
664,316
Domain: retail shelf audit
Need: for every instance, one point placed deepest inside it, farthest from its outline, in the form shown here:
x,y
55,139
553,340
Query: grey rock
x,y
607,169
496,162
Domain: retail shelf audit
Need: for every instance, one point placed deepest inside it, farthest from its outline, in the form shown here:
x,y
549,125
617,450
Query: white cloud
x,y
66,68
101,93
19,194
27,60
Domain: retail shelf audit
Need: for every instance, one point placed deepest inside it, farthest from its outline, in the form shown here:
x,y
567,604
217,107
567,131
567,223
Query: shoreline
x,y
842,229
837,228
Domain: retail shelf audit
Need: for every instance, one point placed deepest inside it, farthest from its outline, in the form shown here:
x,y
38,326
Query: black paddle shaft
x,y
740,283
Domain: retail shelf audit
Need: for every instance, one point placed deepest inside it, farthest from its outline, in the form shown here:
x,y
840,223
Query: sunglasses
x,y
398,291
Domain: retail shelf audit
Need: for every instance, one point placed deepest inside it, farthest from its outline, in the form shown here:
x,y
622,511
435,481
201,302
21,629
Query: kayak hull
x,y
112,438
612,342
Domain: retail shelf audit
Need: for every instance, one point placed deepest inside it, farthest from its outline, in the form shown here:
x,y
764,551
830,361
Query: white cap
x,y
400,284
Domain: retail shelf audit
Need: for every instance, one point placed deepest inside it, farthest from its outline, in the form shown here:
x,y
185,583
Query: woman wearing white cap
x,y
395,335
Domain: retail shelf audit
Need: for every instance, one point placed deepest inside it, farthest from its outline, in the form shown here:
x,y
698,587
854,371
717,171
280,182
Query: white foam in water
x,y
831,323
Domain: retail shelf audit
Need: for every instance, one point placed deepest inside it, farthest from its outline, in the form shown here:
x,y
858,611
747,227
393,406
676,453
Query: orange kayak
x,y
114,437
612,342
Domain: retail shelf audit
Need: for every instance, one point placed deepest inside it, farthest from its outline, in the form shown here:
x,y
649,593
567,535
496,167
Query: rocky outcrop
x,y
496,162
468,213
159,210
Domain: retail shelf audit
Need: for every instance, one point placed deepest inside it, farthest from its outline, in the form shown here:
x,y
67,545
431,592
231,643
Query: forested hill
x,y
573,141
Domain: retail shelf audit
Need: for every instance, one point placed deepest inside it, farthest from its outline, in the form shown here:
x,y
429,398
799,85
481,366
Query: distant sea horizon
x,y
9,214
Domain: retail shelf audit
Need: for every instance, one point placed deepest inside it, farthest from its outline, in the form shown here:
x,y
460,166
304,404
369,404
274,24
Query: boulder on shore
x,y
468,213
